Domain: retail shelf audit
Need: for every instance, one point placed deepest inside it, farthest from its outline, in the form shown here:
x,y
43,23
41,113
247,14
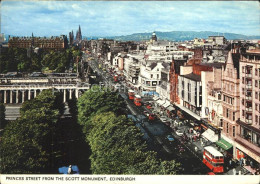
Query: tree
x,y
27,143
97,100
118,148
2,116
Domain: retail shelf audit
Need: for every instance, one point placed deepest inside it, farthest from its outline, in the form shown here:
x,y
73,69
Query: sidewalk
x,y
237,170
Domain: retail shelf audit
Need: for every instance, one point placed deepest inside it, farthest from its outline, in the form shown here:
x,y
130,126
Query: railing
x,y
248,75
248,97
249,121
247,140
249,86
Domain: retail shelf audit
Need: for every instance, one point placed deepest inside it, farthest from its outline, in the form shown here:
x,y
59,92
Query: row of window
x,y
228,99
157,76
248,70
250,82
233,130
250,136
249,117
229,114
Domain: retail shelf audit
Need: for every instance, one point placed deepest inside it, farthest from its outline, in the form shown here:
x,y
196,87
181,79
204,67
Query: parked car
x,y
170,138
65,169
179,132
163,119
146,113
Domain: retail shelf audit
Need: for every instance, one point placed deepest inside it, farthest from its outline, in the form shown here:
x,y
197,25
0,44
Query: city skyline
x,y
106,18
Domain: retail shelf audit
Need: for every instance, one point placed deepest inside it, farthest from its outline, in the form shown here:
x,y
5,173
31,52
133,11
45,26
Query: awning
x,y
171,108
156,98
167,103
224,144
189,112
210,135
160,102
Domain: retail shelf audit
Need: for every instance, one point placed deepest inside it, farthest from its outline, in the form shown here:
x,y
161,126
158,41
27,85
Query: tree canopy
x,y
2,116
26,60
97,100
117,144
27,143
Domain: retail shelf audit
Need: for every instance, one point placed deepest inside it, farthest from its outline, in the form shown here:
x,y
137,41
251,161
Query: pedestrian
x,y
230,162
69,170
240,161
196,149
244,162
234,171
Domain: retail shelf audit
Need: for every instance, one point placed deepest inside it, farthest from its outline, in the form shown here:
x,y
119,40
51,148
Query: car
x,y
170,138
211,173
146,113
163,119
179,132
65,169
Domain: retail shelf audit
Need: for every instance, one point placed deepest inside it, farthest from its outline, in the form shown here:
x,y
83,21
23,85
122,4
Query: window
x,y
243,113
234,131
151,75
256,83
256,95
256,119
256,106
234,116
227,113
243,69
227,127
256,72
243,80
243,91
243,101
157,76
221,123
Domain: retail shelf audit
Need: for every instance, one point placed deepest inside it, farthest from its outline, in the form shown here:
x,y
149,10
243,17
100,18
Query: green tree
x,y
97,100
2,116
118,148
27,143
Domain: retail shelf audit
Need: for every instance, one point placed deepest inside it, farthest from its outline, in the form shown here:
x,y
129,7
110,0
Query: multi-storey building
x,y
53,42
230,97
150,75
248,131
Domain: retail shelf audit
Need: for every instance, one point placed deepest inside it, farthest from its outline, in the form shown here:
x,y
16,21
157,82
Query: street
x,y
155,133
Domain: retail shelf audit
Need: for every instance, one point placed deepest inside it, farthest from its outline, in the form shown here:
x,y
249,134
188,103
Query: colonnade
x,y
12,96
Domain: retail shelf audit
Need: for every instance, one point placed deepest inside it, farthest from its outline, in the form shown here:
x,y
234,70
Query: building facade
x,y
248,129
57,43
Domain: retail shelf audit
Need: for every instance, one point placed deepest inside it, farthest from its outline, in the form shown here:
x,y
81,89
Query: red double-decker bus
x,y
131,94
137,100
213,159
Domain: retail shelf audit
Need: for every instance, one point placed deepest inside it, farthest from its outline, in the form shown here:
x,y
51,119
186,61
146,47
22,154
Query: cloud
x,y
107,18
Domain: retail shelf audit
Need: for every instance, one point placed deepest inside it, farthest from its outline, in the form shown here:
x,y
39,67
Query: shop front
x,y
225,147
248,160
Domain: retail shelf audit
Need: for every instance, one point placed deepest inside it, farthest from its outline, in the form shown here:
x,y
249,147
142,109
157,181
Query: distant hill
x,y
181,36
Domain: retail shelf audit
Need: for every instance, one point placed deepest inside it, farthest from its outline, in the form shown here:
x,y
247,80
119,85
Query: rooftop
x,y
192,76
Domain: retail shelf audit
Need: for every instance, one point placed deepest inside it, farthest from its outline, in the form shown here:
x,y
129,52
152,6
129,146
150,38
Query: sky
x,y
115,18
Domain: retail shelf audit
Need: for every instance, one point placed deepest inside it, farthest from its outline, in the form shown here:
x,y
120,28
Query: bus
x,y
213,159
137,100
131,94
